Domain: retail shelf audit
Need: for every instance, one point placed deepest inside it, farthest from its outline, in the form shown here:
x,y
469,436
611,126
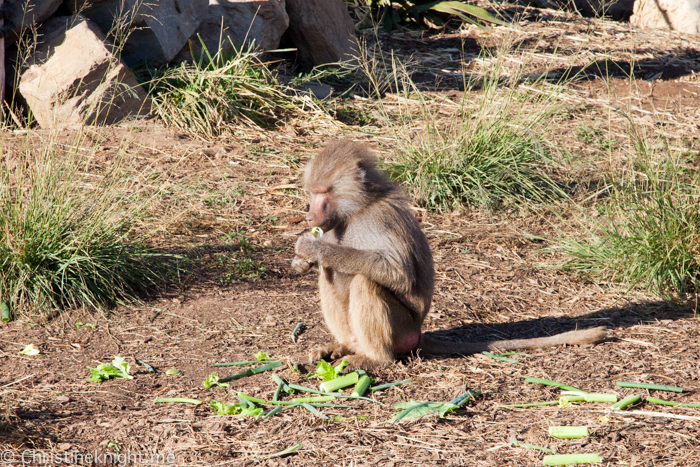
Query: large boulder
x,y
322,31
616,9
74,78
238,22
25,13
677,15
157,29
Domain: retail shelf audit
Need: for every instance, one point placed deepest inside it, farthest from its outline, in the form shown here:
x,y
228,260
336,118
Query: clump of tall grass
x,y
215,91
487,154
649,230
65,235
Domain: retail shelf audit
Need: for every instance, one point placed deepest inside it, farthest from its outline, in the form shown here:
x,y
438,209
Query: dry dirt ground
x,y
237,200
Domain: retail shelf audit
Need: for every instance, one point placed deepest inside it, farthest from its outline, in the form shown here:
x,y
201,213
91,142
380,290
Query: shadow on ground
x,y
614,317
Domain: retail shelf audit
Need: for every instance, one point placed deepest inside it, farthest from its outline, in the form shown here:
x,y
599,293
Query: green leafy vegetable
x,y
461,10
327,372
221,408
119,368
213,380
417,409
260,356
79,325
239,408
172,372
30,350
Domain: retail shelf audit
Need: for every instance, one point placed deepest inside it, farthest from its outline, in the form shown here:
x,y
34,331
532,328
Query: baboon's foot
x,y
330,352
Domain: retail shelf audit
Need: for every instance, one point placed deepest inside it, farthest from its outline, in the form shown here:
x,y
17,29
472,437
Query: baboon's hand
x,y
307,248
300,265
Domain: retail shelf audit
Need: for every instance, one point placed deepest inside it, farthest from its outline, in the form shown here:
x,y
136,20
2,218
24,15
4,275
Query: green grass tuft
x,y
213,92
483,163
64,236
490,154
649,231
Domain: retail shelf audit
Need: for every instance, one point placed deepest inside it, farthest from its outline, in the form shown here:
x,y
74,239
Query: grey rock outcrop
x,y
322,31
677,15
157,29
616,9
236,23
25,13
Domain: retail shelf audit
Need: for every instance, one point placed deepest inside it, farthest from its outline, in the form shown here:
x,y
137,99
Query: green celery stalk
x,y
653,387
531,404
568,432
295,331
588,396
249,362
361,386
548,382
183,400
517,443
500,357
627,401
567,459
5,311
316,391
251,399
340,382
251,372
381,387
674,404
307,400
285,452
273,411
313,410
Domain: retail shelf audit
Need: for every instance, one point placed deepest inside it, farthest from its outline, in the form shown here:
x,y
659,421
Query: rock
x,y
25,13
100,12
616,9
322,31
239,22
677,15
319,90
74,78
157,29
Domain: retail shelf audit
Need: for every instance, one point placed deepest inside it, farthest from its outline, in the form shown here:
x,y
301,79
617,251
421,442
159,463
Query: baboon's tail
x,y
435,346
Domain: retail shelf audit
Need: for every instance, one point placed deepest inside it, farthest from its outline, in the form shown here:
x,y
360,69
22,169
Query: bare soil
x,y
240,198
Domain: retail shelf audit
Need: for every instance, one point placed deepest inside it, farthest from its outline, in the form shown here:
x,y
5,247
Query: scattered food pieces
x,y
30,351
118,368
